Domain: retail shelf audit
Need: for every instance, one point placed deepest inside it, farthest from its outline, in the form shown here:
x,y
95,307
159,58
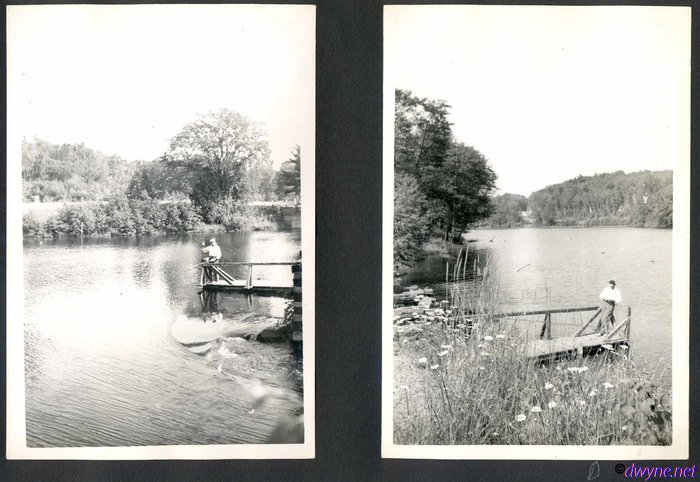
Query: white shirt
x,y
213,250
611,294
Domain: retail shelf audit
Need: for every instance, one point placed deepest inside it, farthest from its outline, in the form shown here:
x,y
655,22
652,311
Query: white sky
x,y
548,93
125,79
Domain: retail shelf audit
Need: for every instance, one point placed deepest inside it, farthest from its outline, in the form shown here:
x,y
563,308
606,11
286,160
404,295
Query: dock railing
x,y
546,332
214,272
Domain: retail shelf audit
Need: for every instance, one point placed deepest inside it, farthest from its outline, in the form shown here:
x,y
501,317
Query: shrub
x,y
32,227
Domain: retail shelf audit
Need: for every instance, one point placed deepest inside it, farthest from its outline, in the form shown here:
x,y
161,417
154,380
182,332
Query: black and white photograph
x,y
160,294
536,232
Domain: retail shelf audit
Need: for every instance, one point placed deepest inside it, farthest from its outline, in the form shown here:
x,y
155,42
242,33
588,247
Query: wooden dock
x,y
214,277
584,342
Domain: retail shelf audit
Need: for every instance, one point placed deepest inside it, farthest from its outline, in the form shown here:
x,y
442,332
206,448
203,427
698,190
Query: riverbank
x,y
129,217
465,380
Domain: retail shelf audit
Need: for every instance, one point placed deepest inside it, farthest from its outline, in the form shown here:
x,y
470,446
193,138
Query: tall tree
x,y
423,134
463,186
289,177
221,153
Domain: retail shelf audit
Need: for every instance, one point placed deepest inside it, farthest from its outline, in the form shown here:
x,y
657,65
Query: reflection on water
x,y
122,349
568,267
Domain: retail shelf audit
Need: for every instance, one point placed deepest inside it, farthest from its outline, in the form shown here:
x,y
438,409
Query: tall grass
x,y
466,380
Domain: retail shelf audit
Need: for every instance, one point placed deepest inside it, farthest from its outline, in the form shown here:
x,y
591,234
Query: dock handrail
x,y
547,324
212,271
248,263
544,312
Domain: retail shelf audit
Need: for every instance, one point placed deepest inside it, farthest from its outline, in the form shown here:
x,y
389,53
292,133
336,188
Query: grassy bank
x,y
464,379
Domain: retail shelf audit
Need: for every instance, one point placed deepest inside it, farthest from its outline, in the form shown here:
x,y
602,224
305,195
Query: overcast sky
x,y
125,79
548,93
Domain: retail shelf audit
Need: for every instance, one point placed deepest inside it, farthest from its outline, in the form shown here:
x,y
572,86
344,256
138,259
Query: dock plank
x,y
569,344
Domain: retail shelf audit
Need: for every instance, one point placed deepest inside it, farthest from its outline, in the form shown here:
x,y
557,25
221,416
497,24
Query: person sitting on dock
x,y
610,296
212,252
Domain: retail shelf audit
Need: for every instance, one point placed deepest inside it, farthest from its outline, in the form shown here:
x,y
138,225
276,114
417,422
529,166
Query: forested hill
x,y
642,198
71,172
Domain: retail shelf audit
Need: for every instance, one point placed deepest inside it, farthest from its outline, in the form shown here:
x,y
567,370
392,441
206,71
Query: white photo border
x,y
16,447
679,448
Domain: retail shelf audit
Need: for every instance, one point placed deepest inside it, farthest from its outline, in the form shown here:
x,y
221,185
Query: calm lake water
x,y
569,267
121,349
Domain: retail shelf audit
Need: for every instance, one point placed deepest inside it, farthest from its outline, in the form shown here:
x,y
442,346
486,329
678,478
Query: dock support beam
x,y
297,327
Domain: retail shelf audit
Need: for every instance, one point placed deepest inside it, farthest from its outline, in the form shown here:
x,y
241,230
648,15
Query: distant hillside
x,y
642,198
71,172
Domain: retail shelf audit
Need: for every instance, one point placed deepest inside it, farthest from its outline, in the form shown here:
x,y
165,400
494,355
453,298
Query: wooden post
x,y
547,326
583,328
249,281
297,326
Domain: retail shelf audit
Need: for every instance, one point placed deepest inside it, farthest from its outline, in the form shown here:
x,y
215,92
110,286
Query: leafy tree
x,y
454,180
507,211
155,180
412,219
289,178
462,186
220,155
71,172
422,134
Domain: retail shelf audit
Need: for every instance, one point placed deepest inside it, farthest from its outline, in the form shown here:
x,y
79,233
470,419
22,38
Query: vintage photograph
x,y
536,223
160,231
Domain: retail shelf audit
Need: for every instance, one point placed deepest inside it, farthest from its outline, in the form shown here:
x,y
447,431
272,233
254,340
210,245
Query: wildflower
x,y
559,368
608,347
593,393
582,402
483,353
608,385
423,361
582,369
443,353
480,345
573,369
536,409
495,434
552,404
520,418
482,368
488,338
548,386
501,337
434,367
446,347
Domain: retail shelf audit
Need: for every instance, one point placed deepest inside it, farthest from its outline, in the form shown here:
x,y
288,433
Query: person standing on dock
x,y
212,252
610,296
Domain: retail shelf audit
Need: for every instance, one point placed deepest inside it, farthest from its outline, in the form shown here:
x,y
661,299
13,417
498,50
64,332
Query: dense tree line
x,y
507,212
211,171
71,172
440,185
642,198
